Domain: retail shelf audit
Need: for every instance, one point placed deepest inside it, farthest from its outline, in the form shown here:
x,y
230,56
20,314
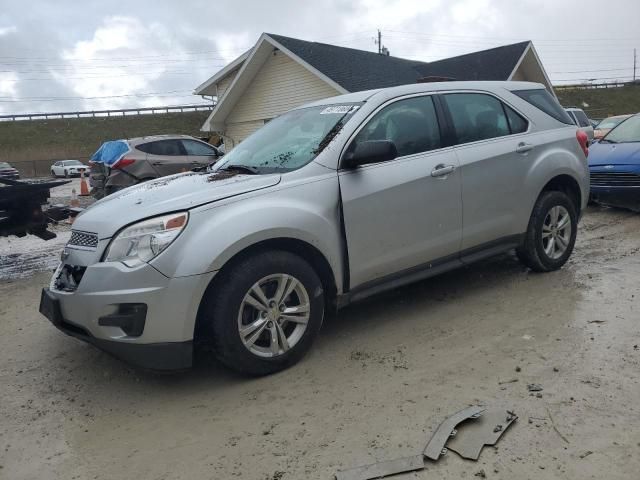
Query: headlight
x,y
143,241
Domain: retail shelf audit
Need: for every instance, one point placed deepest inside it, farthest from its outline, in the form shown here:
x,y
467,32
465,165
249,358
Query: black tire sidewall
x,y
546,203
227,295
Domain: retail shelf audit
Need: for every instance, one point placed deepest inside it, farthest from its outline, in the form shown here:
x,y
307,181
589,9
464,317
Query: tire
x,y
66,174
225,310
548,253
53,174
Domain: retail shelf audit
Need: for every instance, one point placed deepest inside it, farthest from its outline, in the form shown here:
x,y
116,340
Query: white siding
x,y
237,132
224,84
280,85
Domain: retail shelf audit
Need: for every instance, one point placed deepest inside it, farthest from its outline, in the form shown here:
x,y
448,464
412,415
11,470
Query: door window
x,y
411,124
162,147
517,124
477,116
197,148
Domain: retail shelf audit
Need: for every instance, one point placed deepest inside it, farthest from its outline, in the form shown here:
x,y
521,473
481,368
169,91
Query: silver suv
x,y
325,205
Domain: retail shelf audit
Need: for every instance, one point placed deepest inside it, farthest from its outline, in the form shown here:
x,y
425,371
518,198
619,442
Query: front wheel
x,y
263,313
53,174
66,174
551,234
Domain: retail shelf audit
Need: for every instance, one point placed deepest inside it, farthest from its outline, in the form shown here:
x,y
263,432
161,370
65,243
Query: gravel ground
x,y
380,378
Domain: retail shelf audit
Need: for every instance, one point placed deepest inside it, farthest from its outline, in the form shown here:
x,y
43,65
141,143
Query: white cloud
x,y
8,30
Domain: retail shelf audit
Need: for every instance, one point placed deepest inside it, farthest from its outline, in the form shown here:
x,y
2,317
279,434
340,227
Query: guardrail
x,y
589,86
106,113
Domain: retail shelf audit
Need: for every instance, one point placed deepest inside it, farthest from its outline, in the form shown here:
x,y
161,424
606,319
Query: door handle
x,y
524,147
442,170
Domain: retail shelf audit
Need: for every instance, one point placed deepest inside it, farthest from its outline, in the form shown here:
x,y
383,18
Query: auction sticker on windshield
x,y
340,109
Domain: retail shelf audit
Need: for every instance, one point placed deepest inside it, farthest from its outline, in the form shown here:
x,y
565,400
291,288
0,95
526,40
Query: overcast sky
x,y
71,55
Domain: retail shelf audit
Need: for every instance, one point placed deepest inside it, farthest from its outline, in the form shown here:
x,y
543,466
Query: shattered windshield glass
x,y
290,141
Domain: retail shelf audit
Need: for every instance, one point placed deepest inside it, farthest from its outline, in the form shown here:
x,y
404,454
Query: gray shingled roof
x,y
357,70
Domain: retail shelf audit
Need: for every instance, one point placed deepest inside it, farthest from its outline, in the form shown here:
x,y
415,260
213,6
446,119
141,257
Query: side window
x,y
476,116
164,147
517,124
411,124
197,148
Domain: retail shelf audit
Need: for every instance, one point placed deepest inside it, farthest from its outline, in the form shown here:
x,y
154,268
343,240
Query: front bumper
x,y
92,311
153,356
622,197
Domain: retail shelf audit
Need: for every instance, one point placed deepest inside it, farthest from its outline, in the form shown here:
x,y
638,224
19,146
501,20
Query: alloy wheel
x,y
273,315
556,232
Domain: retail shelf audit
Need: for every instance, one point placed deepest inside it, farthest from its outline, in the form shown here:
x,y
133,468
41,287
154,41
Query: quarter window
x,y
411,124
583,121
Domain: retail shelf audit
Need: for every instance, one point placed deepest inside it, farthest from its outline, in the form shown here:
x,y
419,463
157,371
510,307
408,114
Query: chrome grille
x,y
83,240
615,179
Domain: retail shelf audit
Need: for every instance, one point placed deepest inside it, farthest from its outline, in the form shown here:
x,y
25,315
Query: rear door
x,y
167,157
406,212
495,153
199,154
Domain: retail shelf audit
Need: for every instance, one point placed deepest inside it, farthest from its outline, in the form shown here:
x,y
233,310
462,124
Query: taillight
x,y
123,162
583,141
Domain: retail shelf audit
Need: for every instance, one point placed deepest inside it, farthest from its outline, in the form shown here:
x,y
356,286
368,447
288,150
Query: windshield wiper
x,y
606,140
242,168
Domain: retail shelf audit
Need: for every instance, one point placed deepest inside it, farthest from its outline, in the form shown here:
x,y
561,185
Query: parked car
x,y
614,163
122,163
579,118
607,124
68,168
8,172
323,206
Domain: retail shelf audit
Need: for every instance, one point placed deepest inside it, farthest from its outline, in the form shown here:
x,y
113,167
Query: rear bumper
x,y
153,356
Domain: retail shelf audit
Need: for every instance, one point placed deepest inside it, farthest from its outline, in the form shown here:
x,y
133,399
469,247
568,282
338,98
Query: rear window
x,y
543,100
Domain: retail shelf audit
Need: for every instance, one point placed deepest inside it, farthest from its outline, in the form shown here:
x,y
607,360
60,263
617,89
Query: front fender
x,y
308,212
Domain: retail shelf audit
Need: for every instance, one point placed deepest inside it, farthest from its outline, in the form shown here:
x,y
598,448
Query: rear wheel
x,y
551,233
263,313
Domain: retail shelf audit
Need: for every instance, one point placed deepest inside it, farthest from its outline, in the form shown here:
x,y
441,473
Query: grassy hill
x,y
34,145
602,102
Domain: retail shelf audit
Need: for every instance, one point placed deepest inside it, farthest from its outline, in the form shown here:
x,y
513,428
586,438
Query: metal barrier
x,y
106,113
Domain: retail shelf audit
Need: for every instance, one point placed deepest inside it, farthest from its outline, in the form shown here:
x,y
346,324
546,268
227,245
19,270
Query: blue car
x,y
614,164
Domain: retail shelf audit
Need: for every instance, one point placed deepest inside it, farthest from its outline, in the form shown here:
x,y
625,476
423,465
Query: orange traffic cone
x,y
84,188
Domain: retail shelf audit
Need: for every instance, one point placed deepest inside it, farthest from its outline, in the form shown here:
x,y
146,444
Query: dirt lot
x,y
381,377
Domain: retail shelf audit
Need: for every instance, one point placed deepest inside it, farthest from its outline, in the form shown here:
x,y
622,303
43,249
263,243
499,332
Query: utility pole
x,y
634,64
380,43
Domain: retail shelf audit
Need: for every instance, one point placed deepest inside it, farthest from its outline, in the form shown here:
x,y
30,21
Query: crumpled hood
x,y
167,194
614,154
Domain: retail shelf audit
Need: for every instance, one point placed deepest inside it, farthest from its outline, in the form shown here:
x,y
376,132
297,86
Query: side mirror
x,y
371,151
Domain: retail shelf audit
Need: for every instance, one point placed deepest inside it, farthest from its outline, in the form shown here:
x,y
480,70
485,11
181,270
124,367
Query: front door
x,y
167,157
406,212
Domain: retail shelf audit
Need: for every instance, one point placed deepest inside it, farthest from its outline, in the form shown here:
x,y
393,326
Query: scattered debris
x,y
518,369
586,454
504,382
383,469
486,430
435,447
534,387
556,369
553,424
480,473
597,321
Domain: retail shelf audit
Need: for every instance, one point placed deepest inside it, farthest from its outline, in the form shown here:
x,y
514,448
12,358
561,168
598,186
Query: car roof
x,y
150,138
425,87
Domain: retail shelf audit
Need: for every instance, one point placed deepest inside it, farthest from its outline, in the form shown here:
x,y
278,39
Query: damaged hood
x,y
164,195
